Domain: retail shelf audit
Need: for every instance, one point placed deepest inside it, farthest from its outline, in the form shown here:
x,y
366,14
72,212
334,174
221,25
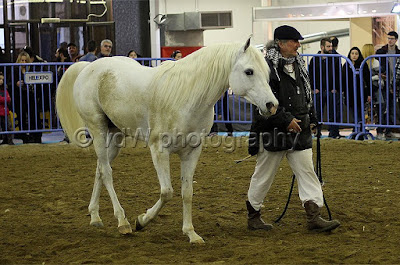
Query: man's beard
x,y
327,52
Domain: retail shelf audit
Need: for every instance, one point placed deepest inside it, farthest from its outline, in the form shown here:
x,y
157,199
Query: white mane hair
x,y
200,76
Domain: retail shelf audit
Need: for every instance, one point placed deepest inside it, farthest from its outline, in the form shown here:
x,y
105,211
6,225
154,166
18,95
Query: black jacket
x,y
291,95
328,78
347,80
382,62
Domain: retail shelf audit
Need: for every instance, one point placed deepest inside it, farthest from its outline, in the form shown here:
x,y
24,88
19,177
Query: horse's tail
x,y
67,111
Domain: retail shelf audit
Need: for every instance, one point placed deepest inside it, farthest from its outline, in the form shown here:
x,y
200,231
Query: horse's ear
x,y
247,43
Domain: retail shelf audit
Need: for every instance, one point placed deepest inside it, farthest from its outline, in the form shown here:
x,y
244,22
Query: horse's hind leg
x,y
188,165
104,174
161,164
95,219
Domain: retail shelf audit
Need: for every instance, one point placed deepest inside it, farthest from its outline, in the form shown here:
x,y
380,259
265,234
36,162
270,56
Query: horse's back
x,y
117,87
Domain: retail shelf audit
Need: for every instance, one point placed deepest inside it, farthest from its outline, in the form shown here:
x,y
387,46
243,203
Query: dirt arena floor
x,y
45,191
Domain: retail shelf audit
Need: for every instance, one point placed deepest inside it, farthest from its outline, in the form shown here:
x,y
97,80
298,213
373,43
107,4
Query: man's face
x,y
106,48
289,48
327,48
391,41
72,50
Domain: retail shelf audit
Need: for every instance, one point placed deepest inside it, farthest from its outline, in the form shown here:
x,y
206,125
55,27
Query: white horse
x,y
174,99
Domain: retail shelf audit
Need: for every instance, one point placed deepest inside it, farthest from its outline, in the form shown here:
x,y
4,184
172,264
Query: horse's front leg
x,y
188,165
161,164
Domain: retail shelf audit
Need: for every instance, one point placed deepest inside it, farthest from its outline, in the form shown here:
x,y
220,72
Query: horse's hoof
x,y
138,226
198,241
97,224
125,229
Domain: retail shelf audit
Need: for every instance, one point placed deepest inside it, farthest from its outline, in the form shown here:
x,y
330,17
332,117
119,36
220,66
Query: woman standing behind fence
x,y
352,92
25,100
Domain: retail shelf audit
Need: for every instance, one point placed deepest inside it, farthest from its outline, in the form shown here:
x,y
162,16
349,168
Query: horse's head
x,y
249,78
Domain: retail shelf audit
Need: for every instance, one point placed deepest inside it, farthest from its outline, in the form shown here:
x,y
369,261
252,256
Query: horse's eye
x,y
249,72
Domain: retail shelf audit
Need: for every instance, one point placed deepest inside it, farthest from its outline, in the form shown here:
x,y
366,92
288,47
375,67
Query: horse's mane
x,y
198,77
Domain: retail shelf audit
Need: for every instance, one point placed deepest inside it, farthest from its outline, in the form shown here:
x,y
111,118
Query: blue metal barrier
x,y
332,104
383,108
32,106
32,96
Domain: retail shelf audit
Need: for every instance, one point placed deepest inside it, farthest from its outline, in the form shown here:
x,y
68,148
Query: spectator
x,y
41,95
4,121
132,54
294,118
91,48
387,76
19,103
73,52
352,92
105,48
325,81
62,56
64,45
377,89
177,55
33,58
335,44
27,114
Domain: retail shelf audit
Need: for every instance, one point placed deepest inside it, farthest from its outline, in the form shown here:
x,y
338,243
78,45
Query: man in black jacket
x,y
287,133
325,83
387,75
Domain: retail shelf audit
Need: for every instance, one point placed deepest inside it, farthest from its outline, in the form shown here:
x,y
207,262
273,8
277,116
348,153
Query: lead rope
x,y
319,167
288,200
319,174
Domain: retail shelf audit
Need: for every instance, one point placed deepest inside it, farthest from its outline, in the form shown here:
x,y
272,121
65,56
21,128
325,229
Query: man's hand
x,y
294,126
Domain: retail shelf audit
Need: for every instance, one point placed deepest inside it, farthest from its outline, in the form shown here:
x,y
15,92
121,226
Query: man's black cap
x,y
71,44
286,32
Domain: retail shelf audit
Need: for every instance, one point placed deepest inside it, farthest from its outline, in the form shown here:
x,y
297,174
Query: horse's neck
x,y
195,84
217,85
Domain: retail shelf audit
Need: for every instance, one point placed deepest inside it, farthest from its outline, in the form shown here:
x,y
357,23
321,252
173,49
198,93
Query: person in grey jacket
x,y
287,133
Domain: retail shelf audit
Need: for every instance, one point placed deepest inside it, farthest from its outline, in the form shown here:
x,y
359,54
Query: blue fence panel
x,y
330,76
31,87
231,108
383,107
32,107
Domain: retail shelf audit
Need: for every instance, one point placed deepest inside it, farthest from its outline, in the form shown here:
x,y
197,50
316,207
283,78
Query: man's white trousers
x,y
302,166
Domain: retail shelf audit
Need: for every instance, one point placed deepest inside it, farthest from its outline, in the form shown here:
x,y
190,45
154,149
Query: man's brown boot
x,y
254,221
314,220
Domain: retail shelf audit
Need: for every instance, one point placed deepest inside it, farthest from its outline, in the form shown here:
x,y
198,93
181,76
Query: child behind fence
x,y
4,120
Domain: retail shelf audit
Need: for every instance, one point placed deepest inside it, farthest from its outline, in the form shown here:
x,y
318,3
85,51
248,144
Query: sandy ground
x,y
45,191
